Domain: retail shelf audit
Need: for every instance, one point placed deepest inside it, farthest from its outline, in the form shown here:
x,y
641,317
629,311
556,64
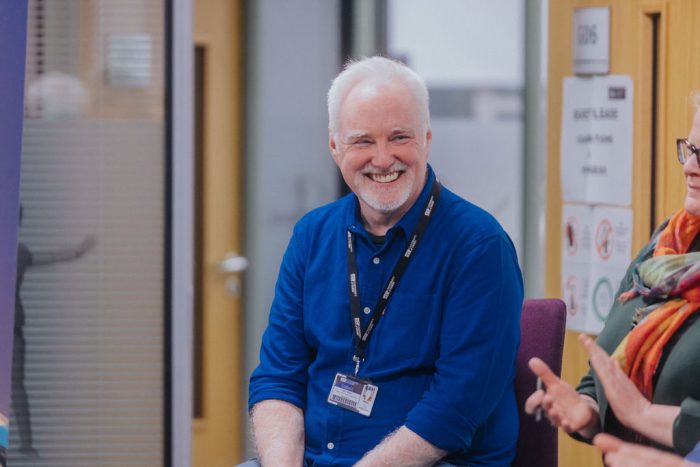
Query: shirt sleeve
x,y
284,353
686,428
694,455
479,340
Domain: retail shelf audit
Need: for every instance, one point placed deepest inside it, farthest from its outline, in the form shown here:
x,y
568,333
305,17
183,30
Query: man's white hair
x,y
378,70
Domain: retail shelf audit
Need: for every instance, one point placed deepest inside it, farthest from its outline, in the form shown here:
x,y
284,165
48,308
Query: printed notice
x,y
576,254
596,140
596,249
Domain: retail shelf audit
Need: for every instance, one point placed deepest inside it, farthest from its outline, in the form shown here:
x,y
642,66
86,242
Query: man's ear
x,y
333,146
428,139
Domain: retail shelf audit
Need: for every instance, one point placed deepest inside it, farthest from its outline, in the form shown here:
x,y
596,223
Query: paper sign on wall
x,y
596,248
596,140
576,247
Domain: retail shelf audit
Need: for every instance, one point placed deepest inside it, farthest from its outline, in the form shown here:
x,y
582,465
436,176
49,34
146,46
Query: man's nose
x,y
383,156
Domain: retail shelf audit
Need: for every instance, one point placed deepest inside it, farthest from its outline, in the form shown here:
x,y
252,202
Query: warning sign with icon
x,y
604,239
596,248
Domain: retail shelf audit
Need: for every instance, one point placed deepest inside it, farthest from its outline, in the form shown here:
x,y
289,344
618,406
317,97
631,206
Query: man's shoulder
x,y
471,232
321,217
467,220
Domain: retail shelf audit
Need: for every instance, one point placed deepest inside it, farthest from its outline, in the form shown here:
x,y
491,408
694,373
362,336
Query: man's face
x,y
381,147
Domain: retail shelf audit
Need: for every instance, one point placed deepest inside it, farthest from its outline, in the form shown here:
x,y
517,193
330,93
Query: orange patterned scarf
x,y
672,275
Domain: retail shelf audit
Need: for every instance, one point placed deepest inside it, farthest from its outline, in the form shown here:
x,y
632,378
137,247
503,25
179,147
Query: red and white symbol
x,y
604,239
571,234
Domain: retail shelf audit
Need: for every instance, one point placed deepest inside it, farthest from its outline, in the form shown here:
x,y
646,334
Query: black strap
x,y
360,336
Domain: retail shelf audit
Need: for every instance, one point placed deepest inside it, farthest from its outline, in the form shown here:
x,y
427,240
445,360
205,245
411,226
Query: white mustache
x,y
395,167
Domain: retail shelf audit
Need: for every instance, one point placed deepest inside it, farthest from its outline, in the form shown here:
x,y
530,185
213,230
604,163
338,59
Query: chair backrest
x,y
541,335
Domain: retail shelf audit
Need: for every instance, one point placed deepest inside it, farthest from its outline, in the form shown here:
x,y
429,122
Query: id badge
x,y
353,394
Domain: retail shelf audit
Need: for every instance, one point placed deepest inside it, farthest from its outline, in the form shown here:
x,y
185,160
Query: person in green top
x,y
643,383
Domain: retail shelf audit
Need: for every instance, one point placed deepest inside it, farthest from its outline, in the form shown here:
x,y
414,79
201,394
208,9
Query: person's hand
x,y
620,454
562,405
623,396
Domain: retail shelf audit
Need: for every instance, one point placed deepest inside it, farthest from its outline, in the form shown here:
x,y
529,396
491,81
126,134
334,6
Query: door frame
x,y
180,144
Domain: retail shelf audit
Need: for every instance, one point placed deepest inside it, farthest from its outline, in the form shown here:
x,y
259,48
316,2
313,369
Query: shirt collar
x,y
406,224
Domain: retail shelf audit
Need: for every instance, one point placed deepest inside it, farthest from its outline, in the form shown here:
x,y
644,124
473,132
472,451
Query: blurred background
x,y
174,144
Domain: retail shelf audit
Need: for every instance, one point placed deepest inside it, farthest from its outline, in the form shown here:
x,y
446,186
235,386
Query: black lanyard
x,y
360,337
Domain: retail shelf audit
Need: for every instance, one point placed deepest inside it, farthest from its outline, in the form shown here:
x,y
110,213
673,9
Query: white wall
x,y
293,54
460,42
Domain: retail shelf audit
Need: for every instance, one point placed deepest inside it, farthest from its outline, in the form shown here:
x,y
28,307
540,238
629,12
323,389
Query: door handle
x,y
233,263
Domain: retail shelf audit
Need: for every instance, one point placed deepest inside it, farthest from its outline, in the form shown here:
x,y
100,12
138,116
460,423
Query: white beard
x,y
369,196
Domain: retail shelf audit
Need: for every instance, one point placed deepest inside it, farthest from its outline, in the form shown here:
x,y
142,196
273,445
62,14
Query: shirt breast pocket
x,y
408,335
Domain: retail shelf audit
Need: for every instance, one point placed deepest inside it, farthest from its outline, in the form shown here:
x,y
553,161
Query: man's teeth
x,y
385,178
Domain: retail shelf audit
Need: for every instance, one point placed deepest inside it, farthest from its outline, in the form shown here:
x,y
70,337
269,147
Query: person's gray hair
x,y
379,70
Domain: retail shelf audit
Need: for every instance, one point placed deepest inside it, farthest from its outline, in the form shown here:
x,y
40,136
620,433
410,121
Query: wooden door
x,y
656,43
218,425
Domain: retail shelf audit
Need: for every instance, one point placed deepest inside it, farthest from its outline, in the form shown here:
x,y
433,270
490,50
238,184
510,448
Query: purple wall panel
x,y
13,37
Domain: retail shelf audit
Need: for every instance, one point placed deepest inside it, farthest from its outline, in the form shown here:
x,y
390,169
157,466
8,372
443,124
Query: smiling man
x,y
395,324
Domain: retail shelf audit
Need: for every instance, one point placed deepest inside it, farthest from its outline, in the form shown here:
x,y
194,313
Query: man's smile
x,y
384,178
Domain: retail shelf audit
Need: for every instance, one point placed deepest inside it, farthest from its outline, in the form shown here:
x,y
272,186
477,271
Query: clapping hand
x,y
623,396
620,454
562,405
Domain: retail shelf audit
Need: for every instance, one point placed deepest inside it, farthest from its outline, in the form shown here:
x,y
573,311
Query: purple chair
x,y
541,335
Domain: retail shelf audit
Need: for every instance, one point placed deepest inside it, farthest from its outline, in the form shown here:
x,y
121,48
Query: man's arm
x,y
278,429
277,391
402,447
478,345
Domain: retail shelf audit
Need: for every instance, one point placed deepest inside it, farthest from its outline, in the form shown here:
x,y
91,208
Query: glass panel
x,y
470,53
88,385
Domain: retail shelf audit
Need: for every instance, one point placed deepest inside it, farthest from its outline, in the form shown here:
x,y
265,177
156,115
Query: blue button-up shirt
x,y
443,356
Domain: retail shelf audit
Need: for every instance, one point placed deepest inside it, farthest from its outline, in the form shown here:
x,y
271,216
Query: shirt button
x,y
330,446
367,310
376,260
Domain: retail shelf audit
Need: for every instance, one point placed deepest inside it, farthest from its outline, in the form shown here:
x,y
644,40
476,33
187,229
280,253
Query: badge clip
x,y
357,361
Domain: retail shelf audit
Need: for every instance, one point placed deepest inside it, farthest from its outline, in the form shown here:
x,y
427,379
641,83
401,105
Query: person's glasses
x,y
686,149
